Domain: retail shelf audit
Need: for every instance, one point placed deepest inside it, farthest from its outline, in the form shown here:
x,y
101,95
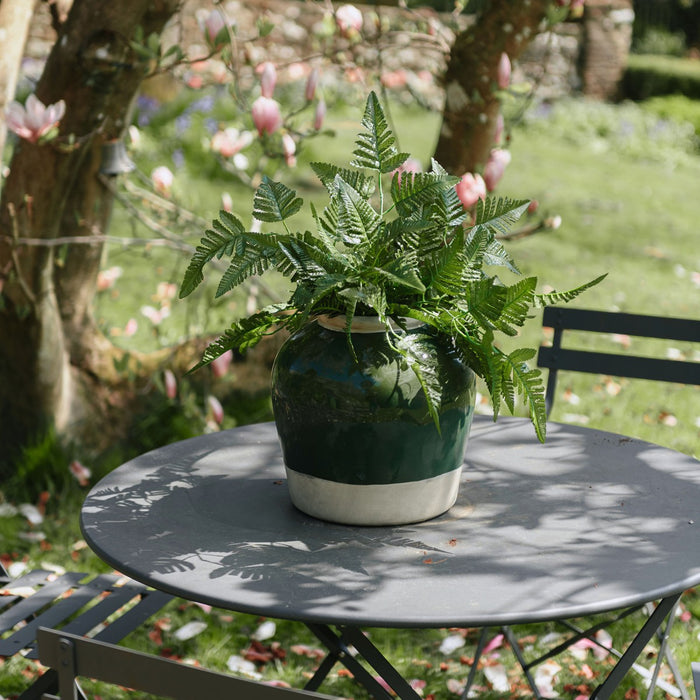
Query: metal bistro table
x,y
590,522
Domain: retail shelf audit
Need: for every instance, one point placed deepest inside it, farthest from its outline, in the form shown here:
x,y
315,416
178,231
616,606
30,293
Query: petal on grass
x,y
190,630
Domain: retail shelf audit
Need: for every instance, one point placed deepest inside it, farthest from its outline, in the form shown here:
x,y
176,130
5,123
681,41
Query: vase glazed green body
x,y
359,444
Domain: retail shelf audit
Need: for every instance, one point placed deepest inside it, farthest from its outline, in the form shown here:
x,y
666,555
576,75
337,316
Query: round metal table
x,y
586,523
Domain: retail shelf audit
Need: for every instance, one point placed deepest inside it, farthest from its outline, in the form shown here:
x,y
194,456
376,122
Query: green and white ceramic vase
x,y
360,446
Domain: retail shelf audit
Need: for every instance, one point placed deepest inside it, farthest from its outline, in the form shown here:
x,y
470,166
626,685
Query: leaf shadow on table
x,y
539,533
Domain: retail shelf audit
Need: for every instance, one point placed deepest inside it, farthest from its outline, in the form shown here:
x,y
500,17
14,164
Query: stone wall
x,y
587,56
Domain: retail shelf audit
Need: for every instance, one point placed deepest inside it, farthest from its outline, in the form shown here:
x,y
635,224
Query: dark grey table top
x,y
588,522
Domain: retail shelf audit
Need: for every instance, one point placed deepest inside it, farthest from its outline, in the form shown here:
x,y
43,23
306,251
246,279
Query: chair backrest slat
x,y
562,319
72,656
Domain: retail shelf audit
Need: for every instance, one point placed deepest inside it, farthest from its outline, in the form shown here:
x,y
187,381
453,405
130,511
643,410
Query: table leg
x,y
338,644
627,660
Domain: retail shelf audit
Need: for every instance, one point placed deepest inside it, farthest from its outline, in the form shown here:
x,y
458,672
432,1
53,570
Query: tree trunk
x,y
53,190
471,102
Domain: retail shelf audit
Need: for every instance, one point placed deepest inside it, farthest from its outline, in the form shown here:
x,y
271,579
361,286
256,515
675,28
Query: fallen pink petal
x,y
81,473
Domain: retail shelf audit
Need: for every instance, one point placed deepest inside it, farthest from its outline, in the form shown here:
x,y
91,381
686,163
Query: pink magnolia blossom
x,y
319,114
470,189
215,409
500,126
268,79
312,84
162,179
552,222
34,120
155,316
194,81
298,70
170,384
394,78
230,141
289,148
107,278
227,201
411,165
495,167
504,69
212,25
349,19
220,365
267,116
132,325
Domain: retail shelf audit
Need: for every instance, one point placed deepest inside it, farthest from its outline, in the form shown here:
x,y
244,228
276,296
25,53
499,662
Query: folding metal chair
x,y
695,667
104,606
556,358
72,656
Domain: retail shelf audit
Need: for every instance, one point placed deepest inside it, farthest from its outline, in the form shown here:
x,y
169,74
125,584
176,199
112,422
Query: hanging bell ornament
x,y
115,160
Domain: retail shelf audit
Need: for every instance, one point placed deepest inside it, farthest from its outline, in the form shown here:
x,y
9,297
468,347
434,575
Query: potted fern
x,y
393,312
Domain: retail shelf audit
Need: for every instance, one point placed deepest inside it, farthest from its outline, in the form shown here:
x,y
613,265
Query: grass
x,y
628,208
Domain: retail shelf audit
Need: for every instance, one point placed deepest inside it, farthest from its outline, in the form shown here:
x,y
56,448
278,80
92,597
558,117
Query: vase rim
x,y
364,324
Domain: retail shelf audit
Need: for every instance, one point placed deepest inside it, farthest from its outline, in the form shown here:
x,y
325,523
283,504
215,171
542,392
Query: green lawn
x,y
626,193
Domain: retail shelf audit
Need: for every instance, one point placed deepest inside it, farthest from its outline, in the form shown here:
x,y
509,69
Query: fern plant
x,y
410,254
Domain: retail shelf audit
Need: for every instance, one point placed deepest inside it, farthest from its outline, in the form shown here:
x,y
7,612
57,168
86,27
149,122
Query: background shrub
x,y
647,76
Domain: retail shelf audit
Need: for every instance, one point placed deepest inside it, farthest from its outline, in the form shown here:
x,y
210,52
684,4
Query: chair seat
x,y
106,607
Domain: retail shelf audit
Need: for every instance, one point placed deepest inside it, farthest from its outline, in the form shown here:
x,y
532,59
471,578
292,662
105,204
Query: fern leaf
x,y
527,381
420,354
357,180
274,201
215,243
402,275
245,333
498,215
357,220
409,191
251,262
448,210
374,148
516,305
561,297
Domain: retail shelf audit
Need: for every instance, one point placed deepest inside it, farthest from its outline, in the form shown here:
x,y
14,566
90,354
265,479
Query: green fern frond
x,y
307,298
357,219
246,333
409,191
499,214
552,298
251,262
527,381
402,274
447,210
374,148
448,270
421,358
274,201
326,173
215,243
516,305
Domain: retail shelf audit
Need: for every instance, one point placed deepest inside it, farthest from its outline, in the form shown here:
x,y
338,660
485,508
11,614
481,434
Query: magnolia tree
x,y
57,369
